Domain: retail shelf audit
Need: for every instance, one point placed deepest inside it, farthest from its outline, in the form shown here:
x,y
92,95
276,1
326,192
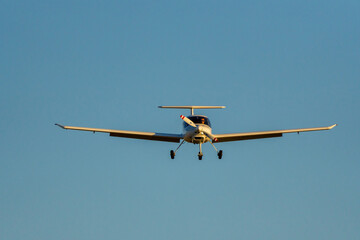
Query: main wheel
x,y
200,157
172,154
220,154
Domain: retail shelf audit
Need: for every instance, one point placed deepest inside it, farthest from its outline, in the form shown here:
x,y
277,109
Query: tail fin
x,y
192,107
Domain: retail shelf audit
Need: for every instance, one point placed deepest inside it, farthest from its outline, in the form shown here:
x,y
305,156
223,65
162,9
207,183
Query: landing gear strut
x,y
219,153
200,155
172,152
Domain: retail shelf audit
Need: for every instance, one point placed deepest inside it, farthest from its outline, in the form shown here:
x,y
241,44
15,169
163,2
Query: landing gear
x,y
200,155
172,152
220,154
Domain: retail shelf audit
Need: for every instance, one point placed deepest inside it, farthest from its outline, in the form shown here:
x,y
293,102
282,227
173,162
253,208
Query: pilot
x,y
203,121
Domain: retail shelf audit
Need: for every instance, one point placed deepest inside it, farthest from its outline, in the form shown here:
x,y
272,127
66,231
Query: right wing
x,y
166,137
266,134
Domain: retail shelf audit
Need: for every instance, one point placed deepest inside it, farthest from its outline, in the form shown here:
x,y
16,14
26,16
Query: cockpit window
x,y
199,120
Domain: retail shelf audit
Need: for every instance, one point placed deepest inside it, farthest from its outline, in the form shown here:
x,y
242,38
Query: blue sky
x,y
109,64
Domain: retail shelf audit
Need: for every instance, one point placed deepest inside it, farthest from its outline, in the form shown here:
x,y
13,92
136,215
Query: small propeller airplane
x,y
196,130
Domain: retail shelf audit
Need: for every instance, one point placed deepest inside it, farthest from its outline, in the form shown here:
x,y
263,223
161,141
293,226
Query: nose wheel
x,y
200,155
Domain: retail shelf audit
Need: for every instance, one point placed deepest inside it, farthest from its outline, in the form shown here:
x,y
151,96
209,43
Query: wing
x,y
166,137
266,134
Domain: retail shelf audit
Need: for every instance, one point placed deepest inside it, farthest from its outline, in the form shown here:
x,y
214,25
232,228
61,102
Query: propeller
x,y
209,135
214,139
188,121
199,128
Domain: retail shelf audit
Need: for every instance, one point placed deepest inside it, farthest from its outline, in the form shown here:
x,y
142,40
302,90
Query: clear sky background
x,y
109,64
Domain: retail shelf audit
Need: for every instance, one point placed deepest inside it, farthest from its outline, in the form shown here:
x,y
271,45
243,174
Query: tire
x,y
220,153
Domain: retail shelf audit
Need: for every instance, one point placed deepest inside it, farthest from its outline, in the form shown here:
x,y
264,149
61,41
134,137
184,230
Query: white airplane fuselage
x,y
200,133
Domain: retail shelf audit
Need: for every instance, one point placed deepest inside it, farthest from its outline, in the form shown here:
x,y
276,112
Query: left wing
x,y
166,137
266,134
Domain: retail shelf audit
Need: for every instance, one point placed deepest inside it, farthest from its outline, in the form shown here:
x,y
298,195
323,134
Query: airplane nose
x,y
199,129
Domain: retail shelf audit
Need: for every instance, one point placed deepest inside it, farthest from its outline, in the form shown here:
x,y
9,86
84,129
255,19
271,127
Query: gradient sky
x,y
109,64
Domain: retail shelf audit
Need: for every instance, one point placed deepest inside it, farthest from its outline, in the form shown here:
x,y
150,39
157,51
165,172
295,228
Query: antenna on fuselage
x,y
192,107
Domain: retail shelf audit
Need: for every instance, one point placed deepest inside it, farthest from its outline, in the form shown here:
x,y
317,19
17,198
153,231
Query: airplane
x,y
197,130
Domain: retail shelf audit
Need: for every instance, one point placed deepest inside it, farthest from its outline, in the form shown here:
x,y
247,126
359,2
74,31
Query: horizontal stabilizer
x,y
192,107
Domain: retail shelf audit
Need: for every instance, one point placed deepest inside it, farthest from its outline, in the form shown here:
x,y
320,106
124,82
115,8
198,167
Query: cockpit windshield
x,y
198,120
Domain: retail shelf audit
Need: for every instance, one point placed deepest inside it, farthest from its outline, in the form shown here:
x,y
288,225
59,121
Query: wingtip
x,y
332,126
63,127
